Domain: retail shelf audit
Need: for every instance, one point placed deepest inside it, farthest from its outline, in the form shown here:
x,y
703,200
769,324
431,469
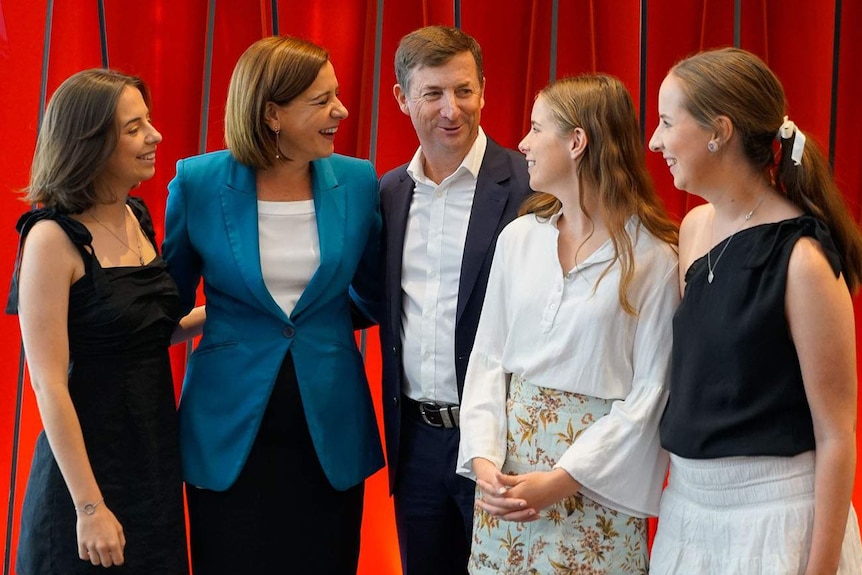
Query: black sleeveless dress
x,y
120,324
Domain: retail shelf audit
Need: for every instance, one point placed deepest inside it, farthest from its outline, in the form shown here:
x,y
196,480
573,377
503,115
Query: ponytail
x,y
803,175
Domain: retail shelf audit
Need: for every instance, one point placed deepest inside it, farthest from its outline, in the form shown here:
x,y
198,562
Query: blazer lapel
x,y
489,202
395,223
330,206
239,206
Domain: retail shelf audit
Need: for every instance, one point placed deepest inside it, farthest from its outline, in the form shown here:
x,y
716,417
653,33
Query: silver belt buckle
x,y
449,414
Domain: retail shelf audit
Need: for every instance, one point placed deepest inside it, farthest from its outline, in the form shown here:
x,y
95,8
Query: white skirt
x,y
742,515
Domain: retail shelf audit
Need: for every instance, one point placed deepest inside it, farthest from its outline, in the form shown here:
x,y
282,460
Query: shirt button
x,y
288,331
553,306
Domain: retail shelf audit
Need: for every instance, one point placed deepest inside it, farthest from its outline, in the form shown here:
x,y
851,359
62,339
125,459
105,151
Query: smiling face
x,y
445,104
548,152
308,123
681,140
134,157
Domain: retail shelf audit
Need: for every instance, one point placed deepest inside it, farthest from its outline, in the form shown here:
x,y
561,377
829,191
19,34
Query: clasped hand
x,y
520,497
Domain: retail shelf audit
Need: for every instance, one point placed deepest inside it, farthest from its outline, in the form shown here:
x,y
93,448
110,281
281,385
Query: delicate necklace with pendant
x,y
709,264
139,252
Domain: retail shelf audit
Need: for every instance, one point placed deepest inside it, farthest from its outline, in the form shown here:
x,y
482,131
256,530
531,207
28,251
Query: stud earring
x,y
712,146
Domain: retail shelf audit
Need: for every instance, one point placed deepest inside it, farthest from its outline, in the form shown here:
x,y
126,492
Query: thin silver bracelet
x,y
89,508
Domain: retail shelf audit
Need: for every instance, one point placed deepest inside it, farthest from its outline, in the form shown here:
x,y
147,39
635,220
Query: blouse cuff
x,y
619,460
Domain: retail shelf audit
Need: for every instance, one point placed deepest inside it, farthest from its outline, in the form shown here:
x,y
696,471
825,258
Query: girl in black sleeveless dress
x,y
97,311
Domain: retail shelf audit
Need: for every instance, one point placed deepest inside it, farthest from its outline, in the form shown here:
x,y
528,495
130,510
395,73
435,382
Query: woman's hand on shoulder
x,y
101,540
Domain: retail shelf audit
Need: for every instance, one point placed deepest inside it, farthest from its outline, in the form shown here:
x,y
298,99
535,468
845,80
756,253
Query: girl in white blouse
x,y
565,385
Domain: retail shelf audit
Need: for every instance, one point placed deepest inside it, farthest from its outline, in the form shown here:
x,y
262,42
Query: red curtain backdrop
x,y
186,50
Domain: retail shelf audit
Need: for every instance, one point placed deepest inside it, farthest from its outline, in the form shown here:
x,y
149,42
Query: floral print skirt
x,y
573,536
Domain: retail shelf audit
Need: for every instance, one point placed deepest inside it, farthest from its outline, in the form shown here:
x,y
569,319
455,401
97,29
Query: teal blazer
x,y
211,232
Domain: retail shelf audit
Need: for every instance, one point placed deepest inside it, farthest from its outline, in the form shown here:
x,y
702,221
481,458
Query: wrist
x,y
88,508
563,483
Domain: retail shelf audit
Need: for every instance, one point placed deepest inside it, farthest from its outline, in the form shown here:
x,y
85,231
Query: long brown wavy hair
x,y
613,167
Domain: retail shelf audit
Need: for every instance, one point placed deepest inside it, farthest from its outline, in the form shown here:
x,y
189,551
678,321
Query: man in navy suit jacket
x,y
442,213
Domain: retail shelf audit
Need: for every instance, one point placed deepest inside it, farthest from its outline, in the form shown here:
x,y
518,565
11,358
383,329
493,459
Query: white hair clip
x,y
785,132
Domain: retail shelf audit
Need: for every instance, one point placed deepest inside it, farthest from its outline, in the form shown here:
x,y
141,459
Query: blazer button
x,y
395,400
289,332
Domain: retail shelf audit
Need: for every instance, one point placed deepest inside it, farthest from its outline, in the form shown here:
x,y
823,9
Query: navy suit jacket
x,y
502,186
211,231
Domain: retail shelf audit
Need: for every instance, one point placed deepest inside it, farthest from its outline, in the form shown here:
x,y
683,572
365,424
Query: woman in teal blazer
x,y
276,419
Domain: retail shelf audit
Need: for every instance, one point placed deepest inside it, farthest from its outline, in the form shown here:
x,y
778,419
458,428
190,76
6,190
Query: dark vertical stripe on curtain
x,y
274,4
833,104
205,108
737,23
643,70
594,67
103,35
16,432
375,109
19,387
208,64
555,26
375,104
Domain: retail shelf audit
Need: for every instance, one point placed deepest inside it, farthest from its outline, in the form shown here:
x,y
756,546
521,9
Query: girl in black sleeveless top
x,y
97,311
761,415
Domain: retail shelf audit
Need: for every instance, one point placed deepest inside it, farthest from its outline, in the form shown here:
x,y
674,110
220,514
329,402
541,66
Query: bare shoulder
x,y
809,266
693,239
696,218
815,295
48,247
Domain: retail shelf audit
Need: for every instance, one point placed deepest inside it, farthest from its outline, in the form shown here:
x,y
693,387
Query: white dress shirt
x,y
566,332
289,249
431,273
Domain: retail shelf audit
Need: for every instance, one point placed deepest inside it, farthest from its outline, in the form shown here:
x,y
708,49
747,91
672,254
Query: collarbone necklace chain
x,y
745,220
139,252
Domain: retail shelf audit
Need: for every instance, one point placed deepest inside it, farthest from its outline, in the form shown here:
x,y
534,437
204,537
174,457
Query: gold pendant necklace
x,y
139,252
709,264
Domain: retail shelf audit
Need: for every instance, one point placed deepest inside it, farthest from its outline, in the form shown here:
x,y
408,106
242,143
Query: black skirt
x,y
281,515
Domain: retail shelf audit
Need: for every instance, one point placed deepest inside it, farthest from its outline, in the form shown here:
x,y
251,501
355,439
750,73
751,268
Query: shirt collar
x,y
605,252
471,162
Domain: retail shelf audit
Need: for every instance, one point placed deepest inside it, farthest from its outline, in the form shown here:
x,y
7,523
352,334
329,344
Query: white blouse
x,y
569,333
289,249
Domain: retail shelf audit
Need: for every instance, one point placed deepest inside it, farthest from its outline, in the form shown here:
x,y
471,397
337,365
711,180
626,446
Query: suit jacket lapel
x,y
239,206
489,202
396,211
330,206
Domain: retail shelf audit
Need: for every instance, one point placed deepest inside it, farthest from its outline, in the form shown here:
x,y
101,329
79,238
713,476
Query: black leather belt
x,y
433,413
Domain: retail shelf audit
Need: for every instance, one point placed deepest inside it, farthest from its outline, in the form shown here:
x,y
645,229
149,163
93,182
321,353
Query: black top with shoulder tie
x,y
735,385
